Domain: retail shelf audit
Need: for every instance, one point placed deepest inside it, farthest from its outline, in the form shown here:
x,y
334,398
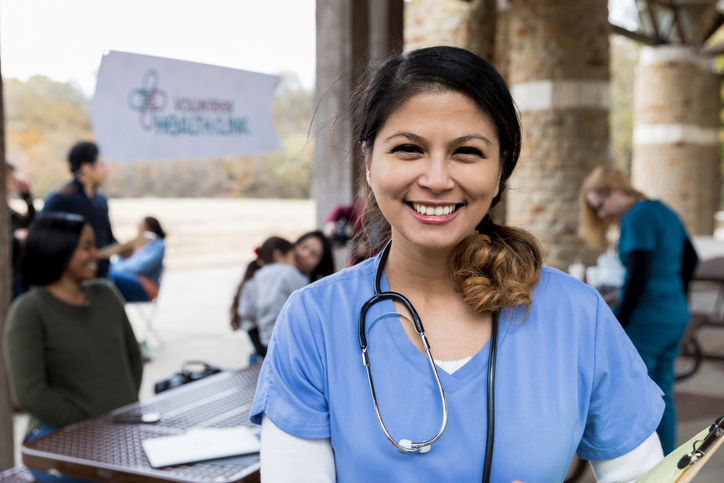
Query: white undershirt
x,y
287,458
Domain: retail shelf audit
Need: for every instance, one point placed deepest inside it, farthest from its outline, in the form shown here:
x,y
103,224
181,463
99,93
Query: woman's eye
x,y
406,148
469,151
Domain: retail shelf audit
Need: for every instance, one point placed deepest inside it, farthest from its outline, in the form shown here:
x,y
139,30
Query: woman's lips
x,y
433,219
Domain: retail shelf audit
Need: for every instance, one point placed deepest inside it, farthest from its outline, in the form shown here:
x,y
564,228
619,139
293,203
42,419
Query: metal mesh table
x,y
100,450
19,474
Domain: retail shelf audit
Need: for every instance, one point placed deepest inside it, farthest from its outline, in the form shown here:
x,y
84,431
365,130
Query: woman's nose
x,y
436,176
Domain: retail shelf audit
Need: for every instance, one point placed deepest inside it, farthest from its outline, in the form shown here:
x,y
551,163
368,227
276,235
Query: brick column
x,y
559,76
676,141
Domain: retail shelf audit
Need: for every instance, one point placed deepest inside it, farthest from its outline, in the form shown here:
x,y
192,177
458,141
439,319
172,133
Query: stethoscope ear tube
x,y
490,438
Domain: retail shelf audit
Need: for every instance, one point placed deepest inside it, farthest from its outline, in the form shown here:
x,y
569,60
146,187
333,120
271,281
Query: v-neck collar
x,y
451,383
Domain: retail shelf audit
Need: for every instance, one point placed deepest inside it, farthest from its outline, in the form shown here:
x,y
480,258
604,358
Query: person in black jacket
x,y
19,222
80,195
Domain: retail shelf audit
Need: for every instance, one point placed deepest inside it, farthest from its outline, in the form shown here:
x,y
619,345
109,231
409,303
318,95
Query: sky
x,y
65,39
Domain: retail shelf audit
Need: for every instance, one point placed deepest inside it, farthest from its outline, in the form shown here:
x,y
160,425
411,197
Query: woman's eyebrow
x,y
408,135
461,140
465,139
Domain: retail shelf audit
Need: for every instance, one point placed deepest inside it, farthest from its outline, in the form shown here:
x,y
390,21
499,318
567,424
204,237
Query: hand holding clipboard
x,y
685,461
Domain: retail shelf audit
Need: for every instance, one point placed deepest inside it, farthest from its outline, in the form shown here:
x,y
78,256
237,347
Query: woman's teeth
x,y
433,210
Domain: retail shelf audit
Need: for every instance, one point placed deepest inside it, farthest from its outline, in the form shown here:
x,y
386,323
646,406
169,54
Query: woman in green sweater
x,y
70,349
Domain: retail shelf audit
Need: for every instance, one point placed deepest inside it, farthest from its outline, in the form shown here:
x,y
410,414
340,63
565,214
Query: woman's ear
x,y
368,160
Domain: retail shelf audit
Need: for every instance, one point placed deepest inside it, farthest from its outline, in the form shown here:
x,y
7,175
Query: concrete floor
x,y
192,319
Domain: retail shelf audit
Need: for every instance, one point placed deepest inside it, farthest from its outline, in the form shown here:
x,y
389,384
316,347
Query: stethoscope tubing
x,y
380,296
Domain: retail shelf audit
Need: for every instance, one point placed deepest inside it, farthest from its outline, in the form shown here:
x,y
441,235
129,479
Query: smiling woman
x,y
440,137
70,350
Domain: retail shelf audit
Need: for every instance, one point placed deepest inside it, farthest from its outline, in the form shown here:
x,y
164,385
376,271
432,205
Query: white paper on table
x,y
199,445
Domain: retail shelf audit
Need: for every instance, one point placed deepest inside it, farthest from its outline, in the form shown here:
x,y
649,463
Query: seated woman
x,y
267,284
138,274
70,351
313,255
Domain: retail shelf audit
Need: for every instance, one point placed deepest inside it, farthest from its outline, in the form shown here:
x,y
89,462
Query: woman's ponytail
x,y
496,268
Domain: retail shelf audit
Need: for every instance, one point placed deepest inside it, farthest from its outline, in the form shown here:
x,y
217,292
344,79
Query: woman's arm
x,y
639,265
688,264
143,261
25,358
134,351
287,458
632,465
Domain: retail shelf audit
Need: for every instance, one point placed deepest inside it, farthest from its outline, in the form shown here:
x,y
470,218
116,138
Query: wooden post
x,y
7,451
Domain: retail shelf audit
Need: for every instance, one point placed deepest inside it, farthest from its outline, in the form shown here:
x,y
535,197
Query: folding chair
x,y
146,311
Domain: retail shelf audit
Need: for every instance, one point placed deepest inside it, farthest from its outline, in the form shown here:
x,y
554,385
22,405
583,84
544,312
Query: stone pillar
x,y
559,76
676,141
348,31
436,22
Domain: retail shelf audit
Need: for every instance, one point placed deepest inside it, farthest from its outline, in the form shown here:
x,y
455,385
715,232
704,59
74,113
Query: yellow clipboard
x,y
685,461
115,248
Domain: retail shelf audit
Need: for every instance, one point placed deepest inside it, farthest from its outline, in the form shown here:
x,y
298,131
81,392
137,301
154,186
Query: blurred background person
x,y
70,350
660,260
267,284
137,273
80,195
313,255
18,184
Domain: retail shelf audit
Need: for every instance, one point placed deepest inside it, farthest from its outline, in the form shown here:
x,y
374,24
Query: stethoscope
x,y
407,446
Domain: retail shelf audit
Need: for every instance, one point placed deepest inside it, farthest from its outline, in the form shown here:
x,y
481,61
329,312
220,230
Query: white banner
x,y
156,108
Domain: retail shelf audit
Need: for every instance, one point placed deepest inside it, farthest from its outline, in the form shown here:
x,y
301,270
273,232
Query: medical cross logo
x,y
148,99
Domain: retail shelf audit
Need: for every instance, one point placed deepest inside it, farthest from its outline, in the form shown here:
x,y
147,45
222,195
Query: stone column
x,y
559,76
436,22
676,141
348,31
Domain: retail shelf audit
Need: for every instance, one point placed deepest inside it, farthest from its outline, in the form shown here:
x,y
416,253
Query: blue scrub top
x,y
653,227
568,379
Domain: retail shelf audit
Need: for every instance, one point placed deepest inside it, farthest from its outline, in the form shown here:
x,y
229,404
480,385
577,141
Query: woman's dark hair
x,y
82,152
500,266
326,264
265,255
50,244
154,226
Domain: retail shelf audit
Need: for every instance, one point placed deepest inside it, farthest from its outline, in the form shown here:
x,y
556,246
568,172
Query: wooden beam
x,y
641,38
679,26
7,450
654,21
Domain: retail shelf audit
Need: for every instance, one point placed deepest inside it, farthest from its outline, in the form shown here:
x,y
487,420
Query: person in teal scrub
x,y
660,261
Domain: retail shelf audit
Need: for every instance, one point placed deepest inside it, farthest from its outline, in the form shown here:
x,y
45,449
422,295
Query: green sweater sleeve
x,y
132,349
134,352
25,358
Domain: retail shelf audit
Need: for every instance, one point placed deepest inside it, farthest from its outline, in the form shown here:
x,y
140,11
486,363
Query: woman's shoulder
x,y
557,287
102,289
31,301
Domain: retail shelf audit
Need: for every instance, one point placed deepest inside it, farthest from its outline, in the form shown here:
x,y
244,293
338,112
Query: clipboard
x,y
115,248
685,461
